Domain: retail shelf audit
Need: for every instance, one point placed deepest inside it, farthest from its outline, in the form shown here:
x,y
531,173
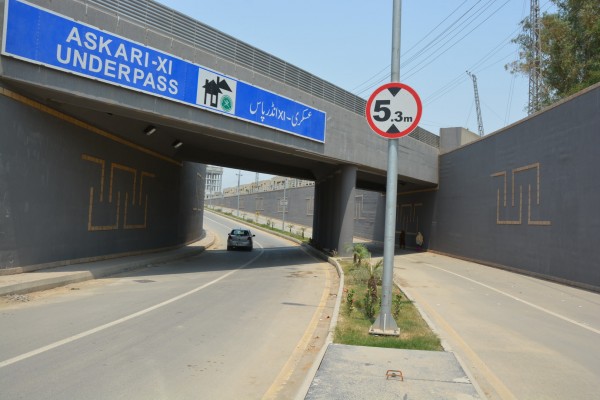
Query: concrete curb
x,y
312,372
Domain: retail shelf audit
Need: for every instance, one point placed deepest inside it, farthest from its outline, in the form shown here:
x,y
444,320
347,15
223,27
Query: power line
x,y
437,46
420,66
405,54
510,97
437,26
431,46
372,81
460,78
378,79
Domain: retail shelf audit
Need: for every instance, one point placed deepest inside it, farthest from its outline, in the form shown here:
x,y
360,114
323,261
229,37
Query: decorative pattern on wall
x,y
519,173
136,194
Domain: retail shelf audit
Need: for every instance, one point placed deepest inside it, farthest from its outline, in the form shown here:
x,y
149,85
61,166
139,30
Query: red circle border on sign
x,y
408,130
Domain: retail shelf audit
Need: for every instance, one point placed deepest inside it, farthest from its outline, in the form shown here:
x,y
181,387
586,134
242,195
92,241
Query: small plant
x,y
269,223
302,229
314,244
290,227
349,301
396,303
359,253
334,253
369,305
373,278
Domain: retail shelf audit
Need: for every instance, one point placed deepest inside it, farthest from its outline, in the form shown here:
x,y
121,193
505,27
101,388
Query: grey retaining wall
x,y
527,197
69,193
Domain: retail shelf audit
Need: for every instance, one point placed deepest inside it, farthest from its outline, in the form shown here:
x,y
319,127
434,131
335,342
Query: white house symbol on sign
x,y
212,90
216,91
393,110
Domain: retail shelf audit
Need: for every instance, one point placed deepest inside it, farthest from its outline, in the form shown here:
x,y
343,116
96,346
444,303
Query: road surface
x,y
521,337
222,325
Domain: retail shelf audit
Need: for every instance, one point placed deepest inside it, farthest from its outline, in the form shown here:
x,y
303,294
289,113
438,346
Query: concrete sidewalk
x,y
44,279
355,372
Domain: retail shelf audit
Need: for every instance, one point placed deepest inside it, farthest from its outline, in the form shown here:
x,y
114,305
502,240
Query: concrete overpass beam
x,y
346,206
329,228
317,235
333,220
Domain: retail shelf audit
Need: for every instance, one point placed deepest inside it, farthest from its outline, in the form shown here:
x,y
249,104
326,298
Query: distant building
x,y
214,181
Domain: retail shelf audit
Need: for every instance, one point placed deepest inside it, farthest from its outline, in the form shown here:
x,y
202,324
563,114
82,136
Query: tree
x,y
359,253
373,278
570,47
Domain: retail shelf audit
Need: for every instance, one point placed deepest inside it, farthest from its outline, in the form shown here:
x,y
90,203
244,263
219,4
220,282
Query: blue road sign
x,y
39,36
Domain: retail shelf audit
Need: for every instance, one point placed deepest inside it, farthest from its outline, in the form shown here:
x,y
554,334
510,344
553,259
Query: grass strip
x,y
355,319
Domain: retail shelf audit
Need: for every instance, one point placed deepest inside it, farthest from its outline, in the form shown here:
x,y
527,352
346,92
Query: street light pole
x,y
385,323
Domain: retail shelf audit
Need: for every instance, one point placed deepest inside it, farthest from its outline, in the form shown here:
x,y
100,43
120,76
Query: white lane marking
x,y
540,308
73,338
475,363
217,222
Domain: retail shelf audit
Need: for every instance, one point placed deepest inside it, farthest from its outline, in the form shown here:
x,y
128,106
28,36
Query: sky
x,y
348,43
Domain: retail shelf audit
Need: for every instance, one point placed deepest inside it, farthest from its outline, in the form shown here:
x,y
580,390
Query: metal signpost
x,y
393,111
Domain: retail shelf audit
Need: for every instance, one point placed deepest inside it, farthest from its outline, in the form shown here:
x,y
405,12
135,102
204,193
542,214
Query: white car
x,y
240,238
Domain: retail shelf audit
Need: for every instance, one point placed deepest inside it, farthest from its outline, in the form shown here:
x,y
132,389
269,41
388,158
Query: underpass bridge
x,y
159,82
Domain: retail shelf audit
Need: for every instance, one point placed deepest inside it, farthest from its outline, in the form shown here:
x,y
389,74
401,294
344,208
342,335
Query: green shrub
x,y
350,301
369,306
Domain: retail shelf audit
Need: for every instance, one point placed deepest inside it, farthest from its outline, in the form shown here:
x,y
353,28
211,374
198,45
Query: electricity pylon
x,y
535,72
477,105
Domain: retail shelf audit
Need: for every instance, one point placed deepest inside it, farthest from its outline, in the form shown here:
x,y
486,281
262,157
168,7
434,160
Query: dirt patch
x,y
301,274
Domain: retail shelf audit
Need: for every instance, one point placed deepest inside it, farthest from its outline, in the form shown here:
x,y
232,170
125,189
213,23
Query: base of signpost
x,y
385,326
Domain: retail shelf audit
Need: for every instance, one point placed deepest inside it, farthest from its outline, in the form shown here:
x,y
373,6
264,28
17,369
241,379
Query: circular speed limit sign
x,y
394,110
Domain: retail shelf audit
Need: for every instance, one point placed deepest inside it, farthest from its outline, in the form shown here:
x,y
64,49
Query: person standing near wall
x,y
402,239
419,240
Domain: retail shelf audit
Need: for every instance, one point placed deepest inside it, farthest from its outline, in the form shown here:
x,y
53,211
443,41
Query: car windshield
x,y
238,232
